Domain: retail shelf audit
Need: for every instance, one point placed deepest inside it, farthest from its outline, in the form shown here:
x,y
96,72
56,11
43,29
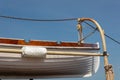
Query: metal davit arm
x,y
99,28
108,68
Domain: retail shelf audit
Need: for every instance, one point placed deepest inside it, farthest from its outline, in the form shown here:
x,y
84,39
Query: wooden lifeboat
x,y
50,59
14,65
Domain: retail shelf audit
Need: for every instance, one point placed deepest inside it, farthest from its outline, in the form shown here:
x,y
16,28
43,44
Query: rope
x,y
104,34
53,20
89,34
39,20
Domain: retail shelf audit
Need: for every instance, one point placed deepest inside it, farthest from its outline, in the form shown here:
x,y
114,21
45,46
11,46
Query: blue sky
x,y
106,12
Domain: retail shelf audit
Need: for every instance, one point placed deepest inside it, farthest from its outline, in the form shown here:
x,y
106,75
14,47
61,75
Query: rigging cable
x,y
88,35
53,20
30,19
104,34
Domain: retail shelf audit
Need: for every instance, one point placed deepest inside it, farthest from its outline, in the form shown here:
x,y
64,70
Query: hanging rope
x,y
104,34
89,34
43,20
53,20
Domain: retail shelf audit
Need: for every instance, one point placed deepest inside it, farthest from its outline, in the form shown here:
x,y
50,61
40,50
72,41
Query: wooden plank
x,y
44,43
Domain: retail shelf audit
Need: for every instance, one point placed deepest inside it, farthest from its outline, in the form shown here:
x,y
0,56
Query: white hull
x,y
14,66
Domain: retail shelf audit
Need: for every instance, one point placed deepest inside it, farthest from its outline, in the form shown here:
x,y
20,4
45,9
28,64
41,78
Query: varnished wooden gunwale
x,y
44,43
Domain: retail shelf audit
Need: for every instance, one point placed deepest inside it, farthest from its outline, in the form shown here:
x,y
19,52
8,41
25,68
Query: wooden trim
x,y
12,41
45,43
42,43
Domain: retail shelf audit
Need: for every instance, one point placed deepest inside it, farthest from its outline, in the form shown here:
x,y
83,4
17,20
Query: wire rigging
x,y
88,35
104,34
43,20
55,20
